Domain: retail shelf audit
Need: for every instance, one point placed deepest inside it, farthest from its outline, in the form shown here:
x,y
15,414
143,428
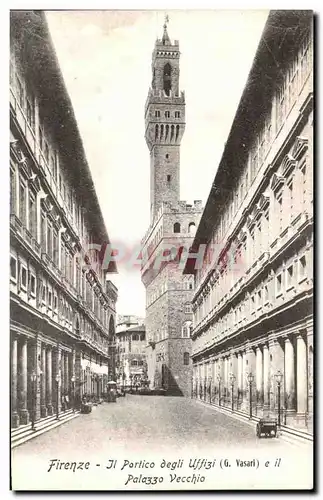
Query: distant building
x,y
131,356
127,321
62,312
172,226
253,299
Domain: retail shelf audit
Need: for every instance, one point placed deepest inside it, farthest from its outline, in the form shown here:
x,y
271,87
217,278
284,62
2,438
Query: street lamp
x,y
33,378
57,399
250,380
232,380
123,380
219,380
73,391
279,379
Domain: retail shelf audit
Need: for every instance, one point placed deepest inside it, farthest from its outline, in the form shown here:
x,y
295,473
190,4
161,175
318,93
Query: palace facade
x,y
62,309
253,299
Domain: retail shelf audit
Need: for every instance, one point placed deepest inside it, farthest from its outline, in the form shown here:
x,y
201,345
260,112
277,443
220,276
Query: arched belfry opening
x,y
167,78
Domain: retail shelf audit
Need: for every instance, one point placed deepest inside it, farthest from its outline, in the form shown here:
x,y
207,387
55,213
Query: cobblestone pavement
x,y
152,422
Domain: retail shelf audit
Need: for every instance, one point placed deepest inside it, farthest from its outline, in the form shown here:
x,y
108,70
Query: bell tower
x,y
165,123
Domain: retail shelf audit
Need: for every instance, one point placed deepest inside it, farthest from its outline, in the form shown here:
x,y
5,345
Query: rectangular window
x,y
32,215
33,285
23,281
46,152
55,247
290,197
41,138
278,284
22,203
12,191
168,178
50,241
55,302
266,293
279,200
290,277
302,267
49,299
13,268
43,232
177,114
44,294
20,93
259,297
30,113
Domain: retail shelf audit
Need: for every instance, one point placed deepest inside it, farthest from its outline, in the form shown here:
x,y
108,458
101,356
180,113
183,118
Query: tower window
x,y
168,178
186,358
177,114
177,227
167,155
167,114
167,78
192,228
157,114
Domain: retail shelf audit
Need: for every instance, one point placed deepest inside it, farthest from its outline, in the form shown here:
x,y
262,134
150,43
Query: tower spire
x,y
166,39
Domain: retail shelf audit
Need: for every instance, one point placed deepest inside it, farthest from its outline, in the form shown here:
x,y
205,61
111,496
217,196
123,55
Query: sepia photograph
x,y
161,250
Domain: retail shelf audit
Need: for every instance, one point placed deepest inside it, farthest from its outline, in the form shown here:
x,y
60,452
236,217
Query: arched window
x,y
192,228
156,132
166,135
172,133
167,78
177,227
177,132
161,132
186,358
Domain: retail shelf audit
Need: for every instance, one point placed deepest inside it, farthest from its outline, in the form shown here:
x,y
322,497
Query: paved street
x,y
151,422
145,429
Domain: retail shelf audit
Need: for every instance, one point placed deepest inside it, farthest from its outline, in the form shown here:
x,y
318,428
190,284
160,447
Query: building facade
x,y
131,363
253,299
172,226
62,309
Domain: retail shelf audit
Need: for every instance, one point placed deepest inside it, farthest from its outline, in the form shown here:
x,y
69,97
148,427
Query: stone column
x,y
14,383
37,348
289,375
49,393
301,377
23,379
266,376
66,373
259,377
43,409
58,374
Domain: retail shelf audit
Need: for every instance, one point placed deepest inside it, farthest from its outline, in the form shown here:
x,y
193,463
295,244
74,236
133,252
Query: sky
x,y
105,58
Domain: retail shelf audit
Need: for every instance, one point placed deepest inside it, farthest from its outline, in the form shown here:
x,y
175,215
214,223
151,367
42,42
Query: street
x,y
138,431
149,422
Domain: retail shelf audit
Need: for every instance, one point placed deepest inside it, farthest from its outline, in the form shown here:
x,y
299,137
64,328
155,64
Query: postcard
x,y
161,250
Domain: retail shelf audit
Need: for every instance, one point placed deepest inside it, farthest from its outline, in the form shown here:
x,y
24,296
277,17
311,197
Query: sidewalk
x,y
288,434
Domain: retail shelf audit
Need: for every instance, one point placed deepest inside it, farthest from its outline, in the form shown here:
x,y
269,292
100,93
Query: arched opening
x,y
156,132
177,132
192,228
186,358
167,78
166,135
177,227
172,133
161,132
